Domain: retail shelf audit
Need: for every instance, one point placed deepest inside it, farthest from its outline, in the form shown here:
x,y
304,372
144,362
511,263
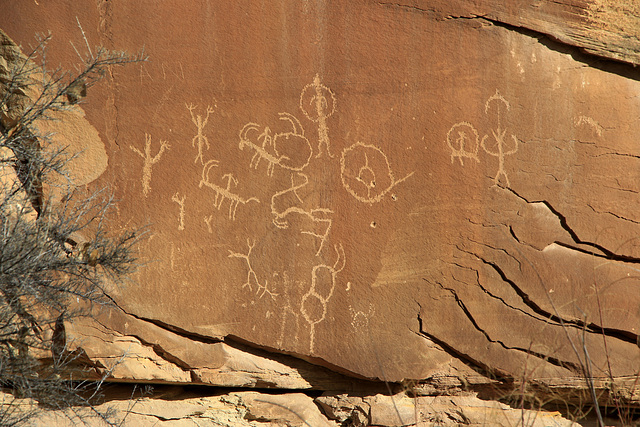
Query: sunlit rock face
x,y
390,190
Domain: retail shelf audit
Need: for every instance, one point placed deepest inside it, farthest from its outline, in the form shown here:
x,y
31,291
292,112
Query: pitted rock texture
x,y
386,189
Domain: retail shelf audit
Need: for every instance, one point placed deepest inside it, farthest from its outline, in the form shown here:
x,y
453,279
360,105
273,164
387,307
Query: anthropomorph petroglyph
x,y
497,149
224,193
314,302
252,278
149,161
283,205
366,173
291,150
200,139
318,103
464,141
180,201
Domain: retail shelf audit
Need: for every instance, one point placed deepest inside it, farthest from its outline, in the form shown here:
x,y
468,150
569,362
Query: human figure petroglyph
x,y
464,141
499,137
291,150
261,289
366,173
200,139
224,193
149,161
316,215
180,201
318,102
321,292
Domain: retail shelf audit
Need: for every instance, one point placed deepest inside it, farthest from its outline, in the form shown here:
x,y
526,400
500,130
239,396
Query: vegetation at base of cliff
x,y
57,260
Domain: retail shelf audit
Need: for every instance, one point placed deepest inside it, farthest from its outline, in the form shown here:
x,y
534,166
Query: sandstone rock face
x,y
392,190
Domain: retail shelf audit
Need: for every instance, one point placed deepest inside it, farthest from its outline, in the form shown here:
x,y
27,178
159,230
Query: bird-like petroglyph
x,y
318,103
366,173
149,161
224,193
283,205
290,150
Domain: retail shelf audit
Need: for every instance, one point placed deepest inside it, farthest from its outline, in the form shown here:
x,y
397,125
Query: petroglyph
x,y
224,193
252,278
360,319
318,102
207,220
316,215
589,121
366,173
498,149
288,313
200,139
291,150
314,302
464,141
149,161
180,202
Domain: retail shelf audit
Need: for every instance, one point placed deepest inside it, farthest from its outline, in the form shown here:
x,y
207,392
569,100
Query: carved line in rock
x,y
149,161
318,103
316,215
224,193
180,201
466,145
360,319
366,173
200,139
261,289
293,143
316,291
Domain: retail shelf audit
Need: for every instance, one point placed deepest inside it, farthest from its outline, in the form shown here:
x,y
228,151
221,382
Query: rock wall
x,y
341,194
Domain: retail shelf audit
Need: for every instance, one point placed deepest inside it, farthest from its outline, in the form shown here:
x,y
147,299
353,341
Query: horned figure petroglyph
x,y
261,289
316,215
466,143
292,150
323,283
318,102
498,149
200,139
223,193
366,173
149,161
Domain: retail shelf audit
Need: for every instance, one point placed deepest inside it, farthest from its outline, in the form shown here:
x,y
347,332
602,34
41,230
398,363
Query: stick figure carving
x,y
292,150
466,142
223,193
149,161
323,283
497,149
200,139
318,103
180,201
366,173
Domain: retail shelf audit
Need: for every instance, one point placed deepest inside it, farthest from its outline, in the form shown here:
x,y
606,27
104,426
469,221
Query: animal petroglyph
x,y
252,278
314,302
464,141
366,173
318,102
291,150
589,121
200,139
316,215
224,193
180,202
497,149
149,161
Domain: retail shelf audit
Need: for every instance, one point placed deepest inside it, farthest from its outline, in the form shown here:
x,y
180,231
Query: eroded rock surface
x,y
394,191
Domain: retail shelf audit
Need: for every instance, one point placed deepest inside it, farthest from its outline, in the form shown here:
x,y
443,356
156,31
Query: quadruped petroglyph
x,y
314,302
295,205
252,278
149,161
318,103
290,150
224,193
366,173
200,139
463,138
